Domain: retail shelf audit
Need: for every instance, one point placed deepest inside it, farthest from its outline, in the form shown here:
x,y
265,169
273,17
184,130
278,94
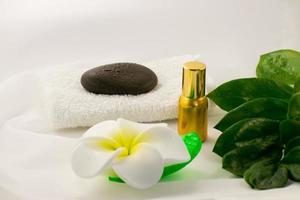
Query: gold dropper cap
x,y
193,80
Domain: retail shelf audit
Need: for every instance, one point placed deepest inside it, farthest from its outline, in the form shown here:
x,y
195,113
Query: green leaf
x,y
289,129
294,107
292,144
263,122
297,85
257,131
271,108
193,145
266,175
282,65
240,159
292,161
236,92
294,172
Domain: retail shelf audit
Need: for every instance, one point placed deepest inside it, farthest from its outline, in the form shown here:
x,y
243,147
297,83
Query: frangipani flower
x,y
136,152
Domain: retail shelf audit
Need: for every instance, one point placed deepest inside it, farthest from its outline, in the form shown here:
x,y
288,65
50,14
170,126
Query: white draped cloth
x,y
35,160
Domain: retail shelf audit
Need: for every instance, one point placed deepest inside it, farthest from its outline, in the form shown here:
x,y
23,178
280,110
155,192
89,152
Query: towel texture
x,y
67,104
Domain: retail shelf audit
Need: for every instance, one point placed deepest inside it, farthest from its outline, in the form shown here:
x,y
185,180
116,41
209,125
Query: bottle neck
x,y
193,80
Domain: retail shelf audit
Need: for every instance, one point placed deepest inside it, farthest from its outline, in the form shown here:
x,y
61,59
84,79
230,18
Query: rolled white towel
x,y
67,104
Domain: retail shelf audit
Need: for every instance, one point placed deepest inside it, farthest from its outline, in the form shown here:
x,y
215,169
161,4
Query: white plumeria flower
x,y
136,152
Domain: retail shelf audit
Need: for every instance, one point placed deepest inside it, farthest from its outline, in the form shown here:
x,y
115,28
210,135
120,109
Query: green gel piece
x,y
115,179
193,145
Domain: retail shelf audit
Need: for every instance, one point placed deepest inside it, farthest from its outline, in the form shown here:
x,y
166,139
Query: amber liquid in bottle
x,y
193,105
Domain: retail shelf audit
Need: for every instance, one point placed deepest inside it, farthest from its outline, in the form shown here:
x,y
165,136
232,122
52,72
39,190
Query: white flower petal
x,y
134,127
142,169
167,142
104,129
129,130
88,162
101,143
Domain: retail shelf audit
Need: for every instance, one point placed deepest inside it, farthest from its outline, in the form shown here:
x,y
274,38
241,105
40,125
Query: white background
x,y
231,33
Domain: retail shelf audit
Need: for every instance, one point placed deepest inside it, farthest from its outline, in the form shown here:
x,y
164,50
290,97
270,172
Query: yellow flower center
x,y
128,141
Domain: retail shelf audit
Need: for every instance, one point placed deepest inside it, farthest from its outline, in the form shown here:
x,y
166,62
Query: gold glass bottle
x,y
193,104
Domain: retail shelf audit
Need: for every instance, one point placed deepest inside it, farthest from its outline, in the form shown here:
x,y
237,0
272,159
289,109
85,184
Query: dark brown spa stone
x,y
119,78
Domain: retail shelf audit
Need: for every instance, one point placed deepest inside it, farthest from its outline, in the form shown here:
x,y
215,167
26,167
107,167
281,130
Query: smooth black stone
x,y
119,78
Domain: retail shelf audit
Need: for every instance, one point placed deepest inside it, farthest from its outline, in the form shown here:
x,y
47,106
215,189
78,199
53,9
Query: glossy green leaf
x,y
240,159
294,107
257,131
292,144
263,122
266,175
236,92
282,65
193,145
297,85
289,129
294,171
292,161
271,108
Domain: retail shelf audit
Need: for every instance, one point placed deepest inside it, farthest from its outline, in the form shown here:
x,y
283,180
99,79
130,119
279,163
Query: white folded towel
x,y
67,104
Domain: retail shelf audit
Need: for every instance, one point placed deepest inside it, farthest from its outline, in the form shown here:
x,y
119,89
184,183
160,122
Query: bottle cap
x,y
193,80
